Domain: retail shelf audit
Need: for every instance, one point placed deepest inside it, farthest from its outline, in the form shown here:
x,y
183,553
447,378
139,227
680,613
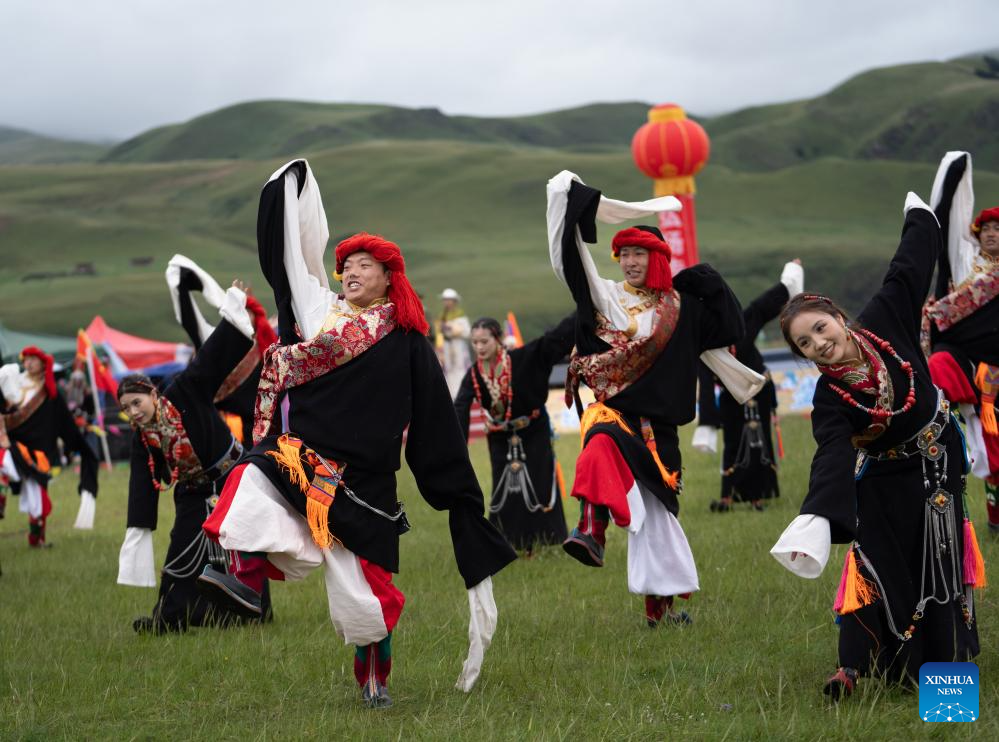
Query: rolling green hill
x,y
908,112
19,147
265,129
821,179
468,215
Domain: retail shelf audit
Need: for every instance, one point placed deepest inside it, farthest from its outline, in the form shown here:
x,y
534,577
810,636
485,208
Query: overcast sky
x,y
98,69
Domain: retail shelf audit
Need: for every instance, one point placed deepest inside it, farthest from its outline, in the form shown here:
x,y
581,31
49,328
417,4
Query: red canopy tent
x,y
135,352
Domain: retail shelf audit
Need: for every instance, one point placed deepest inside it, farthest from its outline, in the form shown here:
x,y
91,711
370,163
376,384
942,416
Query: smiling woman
x,y
888,475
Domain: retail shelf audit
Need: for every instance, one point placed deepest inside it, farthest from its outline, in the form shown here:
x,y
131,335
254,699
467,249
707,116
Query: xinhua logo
x,y
948,691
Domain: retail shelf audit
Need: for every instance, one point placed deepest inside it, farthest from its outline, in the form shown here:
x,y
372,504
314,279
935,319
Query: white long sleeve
x,y
135,560
305,236
234,310
741,381
481,627
793,278
213,294
809,536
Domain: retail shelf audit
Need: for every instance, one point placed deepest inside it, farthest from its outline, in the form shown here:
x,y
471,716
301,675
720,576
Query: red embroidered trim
x,y
288,366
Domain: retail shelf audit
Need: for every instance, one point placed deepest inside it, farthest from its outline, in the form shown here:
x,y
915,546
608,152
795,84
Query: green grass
x,y
571,658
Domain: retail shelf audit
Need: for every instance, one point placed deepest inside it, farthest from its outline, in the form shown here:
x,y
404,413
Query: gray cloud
x,y
107,69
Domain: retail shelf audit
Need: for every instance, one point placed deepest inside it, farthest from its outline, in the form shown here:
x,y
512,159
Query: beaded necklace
x,y
498,381
878,412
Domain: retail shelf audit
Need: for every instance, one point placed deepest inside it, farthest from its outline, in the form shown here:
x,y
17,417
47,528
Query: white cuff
x,y
804,546
85,515
210,290
912,201
741,381
705,439
234,310
135,560
481,625
793,277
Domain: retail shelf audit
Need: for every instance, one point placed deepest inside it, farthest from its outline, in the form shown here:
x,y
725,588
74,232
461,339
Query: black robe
x,y
191,392
242,400
666,394
42,431
882,506
531,366
748,474
356,414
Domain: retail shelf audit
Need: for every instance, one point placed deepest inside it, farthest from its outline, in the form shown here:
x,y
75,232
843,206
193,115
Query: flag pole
x,y
98,411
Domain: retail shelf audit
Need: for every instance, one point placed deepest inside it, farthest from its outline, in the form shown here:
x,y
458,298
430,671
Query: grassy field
x,y
571,658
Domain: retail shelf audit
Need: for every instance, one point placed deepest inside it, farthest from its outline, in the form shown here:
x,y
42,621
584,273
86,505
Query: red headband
x,y
659,276
408,307
50,385
987,215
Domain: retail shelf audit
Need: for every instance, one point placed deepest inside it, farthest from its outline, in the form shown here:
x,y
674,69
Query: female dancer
x,y
512,386
888,476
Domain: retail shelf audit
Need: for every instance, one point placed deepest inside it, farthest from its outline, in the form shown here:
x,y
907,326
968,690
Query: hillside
x,y
470,216
909,112
19,147
265,129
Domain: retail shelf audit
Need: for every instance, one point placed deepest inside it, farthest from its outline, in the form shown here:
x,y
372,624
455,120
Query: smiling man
x,y
357,370
637,347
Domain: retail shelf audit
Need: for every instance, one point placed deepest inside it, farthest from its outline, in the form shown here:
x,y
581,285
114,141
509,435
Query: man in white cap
x,y
453,332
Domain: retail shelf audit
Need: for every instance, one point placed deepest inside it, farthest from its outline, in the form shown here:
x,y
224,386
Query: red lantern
x,y
671,149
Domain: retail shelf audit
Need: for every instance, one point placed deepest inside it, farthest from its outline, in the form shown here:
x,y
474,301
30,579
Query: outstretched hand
x,y
238,284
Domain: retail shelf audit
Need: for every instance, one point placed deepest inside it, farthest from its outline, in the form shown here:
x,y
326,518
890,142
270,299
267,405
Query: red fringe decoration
x,y
265,335
408,307
974,563
50,385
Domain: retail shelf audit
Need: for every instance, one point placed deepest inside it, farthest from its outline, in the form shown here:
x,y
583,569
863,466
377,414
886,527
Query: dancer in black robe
x,y
181,441
527,499
749,461
637,347
961,319
888,475
356,369
35,418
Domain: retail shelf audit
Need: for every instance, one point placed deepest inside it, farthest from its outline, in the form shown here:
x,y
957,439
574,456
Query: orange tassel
x,y
671,478
560,478
985,380
598,413
290,461
857,590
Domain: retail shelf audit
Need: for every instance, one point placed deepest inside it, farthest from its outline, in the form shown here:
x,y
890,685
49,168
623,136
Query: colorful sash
x,y
288,366
167,434
975,292
614,370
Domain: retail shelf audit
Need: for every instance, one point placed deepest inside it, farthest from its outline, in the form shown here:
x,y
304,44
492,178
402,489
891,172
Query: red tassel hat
x,y
50,384
408,307
987,215
659,276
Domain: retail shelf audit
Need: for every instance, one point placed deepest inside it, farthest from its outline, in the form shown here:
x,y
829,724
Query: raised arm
x,y
291,238
222,351
573,210
184,277
907,282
